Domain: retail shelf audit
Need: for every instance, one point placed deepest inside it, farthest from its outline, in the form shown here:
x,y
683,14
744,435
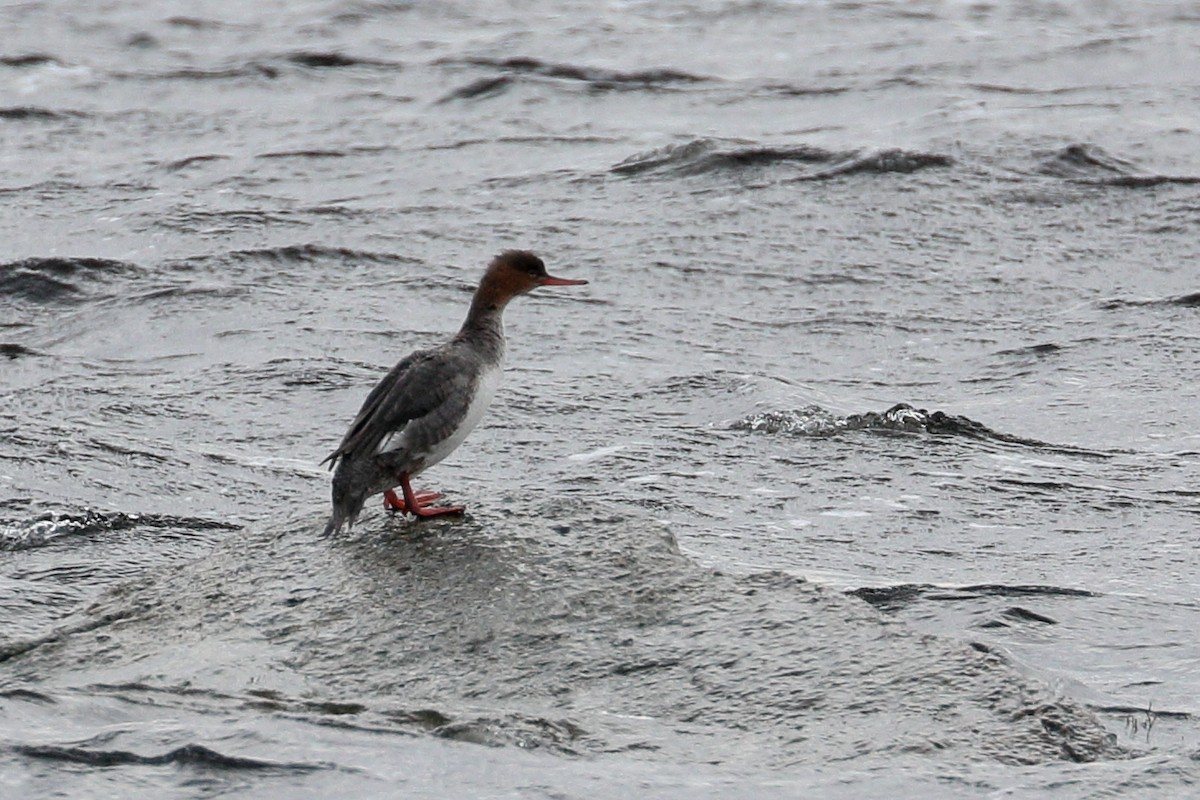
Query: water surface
x,y
865,465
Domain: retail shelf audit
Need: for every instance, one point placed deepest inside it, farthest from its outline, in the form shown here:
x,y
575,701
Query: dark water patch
x,y
271,67
701,156
1044,349
596,78
316,253
197,221
46,191
53,526
304,154
27,60
1021,363
334,60
1105,43
717,383
184,163
326,153
482,88
197,23
317,374
203,221
1144,181
1025,615
14,350
852,274
362,11
198,292
584,610
55,280
1017,614
1000,88
543,139
1019,590
16,648
189,755
159,458
1190,300
333,210
797,90
27,695
143,41
900,596
280,377
427,718
891,598
271,700
35,113
251,69
1101,497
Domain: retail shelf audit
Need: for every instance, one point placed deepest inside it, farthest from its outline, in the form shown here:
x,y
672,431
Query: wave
x,y
53,526
702,156
192,755
893,598
1091,164
902,418
586,609
602,79
312,253
1077,163
195,220
323,152
55,279
882,162
1190,300
596,78
270,67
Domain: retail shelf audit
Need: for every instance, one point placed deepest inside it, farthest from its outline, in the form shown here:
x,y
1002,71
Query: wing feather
x,y
425,382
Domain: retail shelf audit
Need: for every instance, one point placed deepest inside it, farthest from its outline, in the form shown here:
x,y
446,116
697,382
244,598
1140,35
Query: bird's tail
x,y
346,508
336,521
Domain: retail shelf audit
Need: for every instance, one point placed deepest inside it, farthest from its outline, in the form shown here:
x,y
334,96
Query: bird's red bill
x,y
550,280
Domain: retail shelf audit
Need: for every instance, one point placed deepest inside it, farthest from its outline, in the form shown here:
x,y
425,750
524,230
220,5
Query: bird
x,y
423,409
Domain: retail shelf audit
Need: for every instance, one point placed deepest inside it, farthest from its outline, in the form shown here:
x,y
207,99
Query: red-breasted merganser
x,y
424,408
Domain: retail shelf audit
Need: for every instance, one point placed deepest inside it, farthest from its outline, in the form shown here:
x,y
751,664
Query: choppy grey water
x,y
866,465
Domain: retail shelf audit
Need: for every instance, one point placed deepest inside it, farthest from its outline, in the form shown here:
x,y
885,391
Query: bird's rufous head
x,y
515,272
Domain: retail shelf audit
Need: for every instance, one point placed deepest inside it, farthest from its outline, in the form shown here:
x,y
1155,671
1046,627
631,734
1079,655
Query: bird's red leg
x,y
412,502
392,501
